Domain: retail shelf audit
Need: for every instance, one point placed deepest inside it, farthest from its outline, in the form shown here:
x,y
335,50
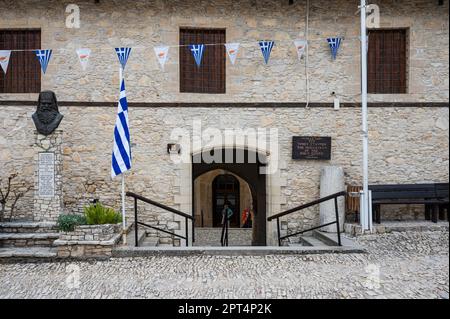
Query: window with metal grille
x,y
387,61
210,76
24,71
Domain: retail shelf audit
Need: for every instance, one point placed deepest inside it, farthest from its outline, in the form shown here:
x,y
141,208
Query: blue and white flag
x,y
44,58
334,46
197,52
123,54
121,156
266,49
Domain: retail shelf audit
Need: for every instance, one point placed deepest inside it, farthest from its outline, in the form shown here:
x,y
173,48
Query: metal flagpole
x,y
124,235
365,213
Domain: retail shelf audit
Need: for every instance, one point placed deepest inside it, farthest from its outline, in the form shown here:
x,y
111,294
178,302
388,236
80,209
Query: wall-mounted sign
x,y
311,147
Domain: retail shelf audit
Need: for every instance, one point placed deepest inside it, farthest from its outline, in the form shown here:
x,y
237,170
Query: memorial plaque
x,y
46,174
311,147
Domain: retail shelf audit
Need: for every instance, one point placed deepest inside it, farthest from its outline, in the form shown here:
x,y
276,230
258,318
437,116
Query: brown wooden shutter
x,y
24,71
387,61
210,76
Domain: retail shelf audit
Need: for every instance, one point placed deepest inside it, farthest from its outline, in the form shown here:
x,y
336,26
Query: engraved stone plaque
x,y
311,147
46,174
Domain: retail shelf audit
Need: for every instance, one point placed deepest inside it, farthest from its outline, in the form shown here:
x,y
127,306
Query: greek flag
x,y
123,54
44,57
334,46
266,49
197,52
121,156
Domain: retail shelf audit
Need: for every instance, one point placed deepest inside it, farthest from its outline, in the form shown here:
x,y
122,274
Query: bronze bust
x,y
47,117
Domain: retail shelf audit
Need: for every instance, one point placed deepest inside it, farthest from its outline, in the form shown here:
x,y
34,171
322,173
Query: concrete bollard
x,y
332,181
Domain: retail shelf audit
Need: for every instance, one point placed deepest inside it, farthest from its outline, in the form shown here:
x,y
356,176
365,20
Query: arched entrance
x,y
244,164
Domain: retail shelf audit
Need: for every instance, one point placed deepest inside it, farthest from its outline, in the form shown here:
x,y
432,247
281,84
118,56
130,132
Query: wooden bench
x,y
433,196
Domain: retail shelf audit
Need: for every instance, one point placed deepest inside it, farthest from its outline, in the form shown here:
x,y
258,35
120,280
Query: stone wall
x,y
145,24
88,241
407,145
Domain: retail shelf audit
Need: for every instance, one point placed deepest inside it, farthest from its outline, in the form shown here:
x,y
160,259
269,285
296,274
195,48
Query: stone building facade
x,y
409,133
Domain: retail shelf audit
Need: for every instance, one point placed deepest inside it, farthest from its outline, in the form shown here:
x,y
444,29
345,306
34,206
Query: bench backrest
x,y
403,191
441,190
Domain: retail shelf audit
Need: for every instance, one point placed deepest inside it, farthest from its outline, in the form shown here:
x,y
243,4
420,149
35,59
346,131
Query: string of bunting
x,y
162,53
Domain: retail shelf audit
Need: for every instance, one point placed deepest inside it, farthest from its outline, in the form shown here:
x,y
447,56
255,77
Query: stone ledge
x,y
114,240
13,236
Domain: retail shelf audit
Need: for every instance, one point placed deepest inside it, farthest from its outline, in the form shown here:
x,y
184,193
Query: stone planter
x,y
88,241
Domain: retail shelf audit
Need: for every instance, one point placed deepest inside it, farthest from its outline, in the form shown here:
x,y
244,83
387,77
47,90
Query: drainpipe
x,y
365,222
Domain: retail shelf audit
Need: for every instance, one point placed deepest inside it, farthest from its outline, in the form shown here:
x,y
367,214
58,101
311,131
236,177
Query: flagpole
x,y
365,222
124,235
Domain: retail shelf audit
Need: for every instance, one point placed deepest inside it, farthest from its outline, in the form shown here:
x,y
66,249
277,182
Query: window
x,y
24,71
387,61
210,76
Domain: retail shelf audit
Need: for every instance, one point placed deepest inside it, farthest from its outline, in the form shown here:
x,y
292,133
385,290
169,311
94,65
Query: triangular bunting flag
x,y
84,55
334,46
123,54
162,53
266,49
232,50
44,58
4,59
300,45
197,52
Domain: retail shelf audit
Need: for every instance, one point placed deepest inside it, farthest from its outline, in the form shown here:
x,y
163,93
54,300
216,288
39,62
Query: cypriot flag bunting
x,y
232,50
84,55
44,58
300,45
4,59
266,49
162,53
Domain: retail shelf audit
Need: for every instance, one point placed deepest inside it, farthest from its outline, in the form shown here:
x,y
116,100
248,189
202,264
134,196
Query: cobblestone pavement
x,y
398,265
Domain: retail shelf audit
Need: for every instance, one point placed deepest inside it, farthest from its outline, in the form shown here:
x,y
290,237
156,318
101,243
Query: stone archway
x,y
247,166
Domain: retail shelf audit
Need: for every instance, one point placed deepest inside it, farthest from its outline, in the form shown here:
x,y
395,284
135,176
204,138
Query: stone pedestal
x,y
48,196
332,181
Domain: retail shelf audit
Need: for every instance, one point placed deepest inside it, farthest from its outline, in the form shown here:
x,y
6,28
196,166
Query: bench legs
x,y
376,213
435,210
428,209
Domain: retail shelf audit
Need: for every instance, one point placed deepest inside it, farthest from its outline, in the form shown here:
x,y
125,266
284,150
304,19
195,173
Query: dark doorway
x,y
226,189
246,164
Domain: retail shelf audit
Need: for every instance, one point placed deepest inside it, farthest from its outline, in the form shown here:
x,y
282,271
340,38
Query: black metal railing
x,y
224,236
170,209
304,206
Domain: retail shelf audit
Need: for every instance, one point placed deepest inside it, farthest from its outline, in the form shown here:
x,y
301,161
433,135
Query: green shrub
x,y
68,222
97,214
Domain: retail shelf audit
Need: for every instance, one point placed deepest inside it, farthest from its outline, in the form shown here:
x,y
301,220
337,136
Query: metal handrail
x,y
224,236
307,205
170,209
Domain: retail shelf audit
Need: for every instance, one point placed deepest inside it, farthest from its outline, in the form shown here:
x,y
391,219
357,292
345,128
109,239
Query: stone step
x,y
312,241
149,242
34,253
27,239
332,240
28,227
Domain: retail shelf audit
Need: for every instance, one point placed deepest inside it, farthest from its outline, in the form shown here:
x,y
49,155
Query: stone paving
x,y
397,265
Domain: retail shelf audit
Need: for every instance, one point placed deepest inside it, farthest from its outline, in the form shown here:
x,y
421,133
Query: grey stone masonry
x,y
47,207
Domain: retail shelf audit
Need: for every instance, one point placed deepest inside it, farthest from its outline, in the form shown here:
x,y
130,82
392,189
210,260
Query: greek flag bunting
x,y
334,46
197,52
44,58
266,49
123,54
121,156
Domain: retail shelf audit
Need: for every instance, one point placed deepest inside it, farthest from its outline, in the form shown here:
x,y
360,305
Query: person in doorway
x,y
246,218
227,212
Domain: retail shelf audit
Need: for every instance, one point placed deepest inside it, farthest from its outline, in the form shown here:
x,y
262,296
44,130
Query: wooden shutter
x,y
210,76
387,61
24,71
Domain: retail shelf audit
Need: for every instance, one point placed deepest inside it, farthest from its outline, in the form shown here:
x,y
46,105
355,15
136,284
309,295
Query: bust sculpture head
x,y
47,117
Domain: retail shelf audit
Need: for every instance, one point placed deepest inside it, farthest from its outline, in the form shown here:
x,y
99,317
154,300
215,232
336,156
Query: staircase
x,y
27,240
317,238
